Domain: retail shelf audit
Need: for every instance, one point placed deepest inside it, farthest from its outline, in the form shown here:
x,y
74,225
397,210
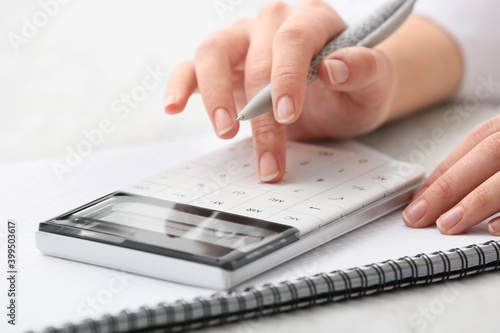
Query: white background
x,y
64,80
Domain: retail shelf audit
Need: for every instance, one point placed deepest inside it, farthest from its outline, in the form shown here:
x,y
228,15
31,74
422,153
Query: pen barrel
x,y
261,103
369,32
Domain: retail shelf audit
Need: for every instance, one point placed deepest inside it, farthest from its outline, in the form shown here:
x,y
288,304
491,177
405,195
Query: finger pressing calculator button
x,y
327,213
303,222
144,188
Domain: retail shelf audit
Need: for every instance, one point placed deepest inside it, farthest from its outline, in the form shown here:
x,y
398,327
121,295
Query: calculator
x,y
211,223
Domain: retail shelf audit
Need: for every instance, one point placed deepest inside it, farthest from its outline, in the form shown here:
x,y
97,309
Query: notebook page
x,y
54,291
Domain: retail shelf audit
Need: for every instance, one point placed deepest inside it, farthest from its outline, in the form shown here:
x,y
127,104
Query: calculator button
x,y
340,173
242,168
144,188
303,164
349,202
303,189
364,162
410,172
201,185
190,169
194,182
239,193
303,222
299,150
177,194
167,178
353,166
309,161
327,213
367,192
255,211
215,203
384,177
232,171
275,200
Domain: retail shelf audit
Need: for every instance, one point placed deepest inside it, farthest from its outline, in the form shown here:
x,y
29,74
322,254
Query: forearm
x,y
428,62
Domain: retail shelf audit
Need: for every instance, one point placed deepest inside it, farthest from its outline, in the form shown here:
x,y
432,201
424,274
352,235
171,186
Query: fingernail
x,y
494,227
337,71
415,211
268,167
169,100
449,219
285,109
223,121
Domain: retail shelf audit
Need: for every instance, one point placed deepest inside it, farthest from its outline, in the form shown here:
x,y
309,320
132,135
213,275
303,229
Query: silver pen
x,y
370,32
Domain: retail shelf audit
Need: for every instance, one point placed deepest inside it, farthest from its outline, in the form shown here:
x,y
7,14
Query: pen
x,y
368,33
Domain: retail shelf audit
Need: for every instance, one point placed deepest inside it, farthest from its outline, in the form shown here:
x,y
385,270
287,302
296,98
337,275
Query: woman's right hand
x,y
353,95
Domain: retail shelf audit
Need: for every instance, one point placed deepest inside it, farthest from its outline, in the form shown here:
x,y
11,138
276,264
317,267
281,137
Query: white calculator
x,y
211,223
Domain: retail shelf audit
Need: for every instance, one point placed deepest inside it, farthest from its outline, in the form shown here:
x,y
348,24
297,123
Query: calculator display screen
x,y
173,229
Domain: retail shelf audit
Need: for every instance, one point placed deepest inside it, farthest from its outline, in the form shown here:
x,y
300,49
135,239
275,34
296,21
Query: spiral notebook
x,y
53,292
268,299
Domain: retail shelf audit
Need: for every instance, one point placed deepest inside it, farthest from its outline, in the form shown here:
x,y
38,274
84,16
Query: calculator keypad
x,y
321,184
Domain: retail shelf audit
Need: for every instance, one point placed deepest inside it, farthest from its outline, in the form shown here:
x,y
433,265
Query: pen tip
x,y
240,117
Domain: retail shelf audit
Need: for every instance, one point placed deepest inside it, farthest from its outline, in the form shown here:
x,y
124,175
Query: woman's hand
x,y
464,190
353,95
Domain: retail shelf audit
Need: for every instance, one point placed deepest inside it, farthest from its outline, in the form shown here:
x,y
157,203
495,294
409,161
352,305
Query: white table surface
x,y
67,73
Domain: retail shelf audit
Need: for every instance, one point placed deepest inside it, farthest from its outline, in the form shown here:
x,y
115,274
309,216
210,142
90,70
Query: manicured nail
x,y
494,227
415,211
285,109
337,71
268,167
223,121
449,219
169,100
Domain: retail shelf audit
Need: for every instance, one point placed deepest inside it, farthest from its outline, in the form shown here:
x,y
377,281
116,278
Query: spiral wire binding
x,y
269,299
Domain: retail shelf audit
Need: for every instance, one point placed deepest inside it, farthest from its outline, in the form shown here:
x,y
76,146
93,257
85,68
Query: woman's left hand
x,y
464,190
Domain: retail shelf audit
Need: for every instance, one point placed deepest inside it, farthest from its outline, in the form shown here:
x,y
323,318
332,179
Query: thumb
x,y
357,69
